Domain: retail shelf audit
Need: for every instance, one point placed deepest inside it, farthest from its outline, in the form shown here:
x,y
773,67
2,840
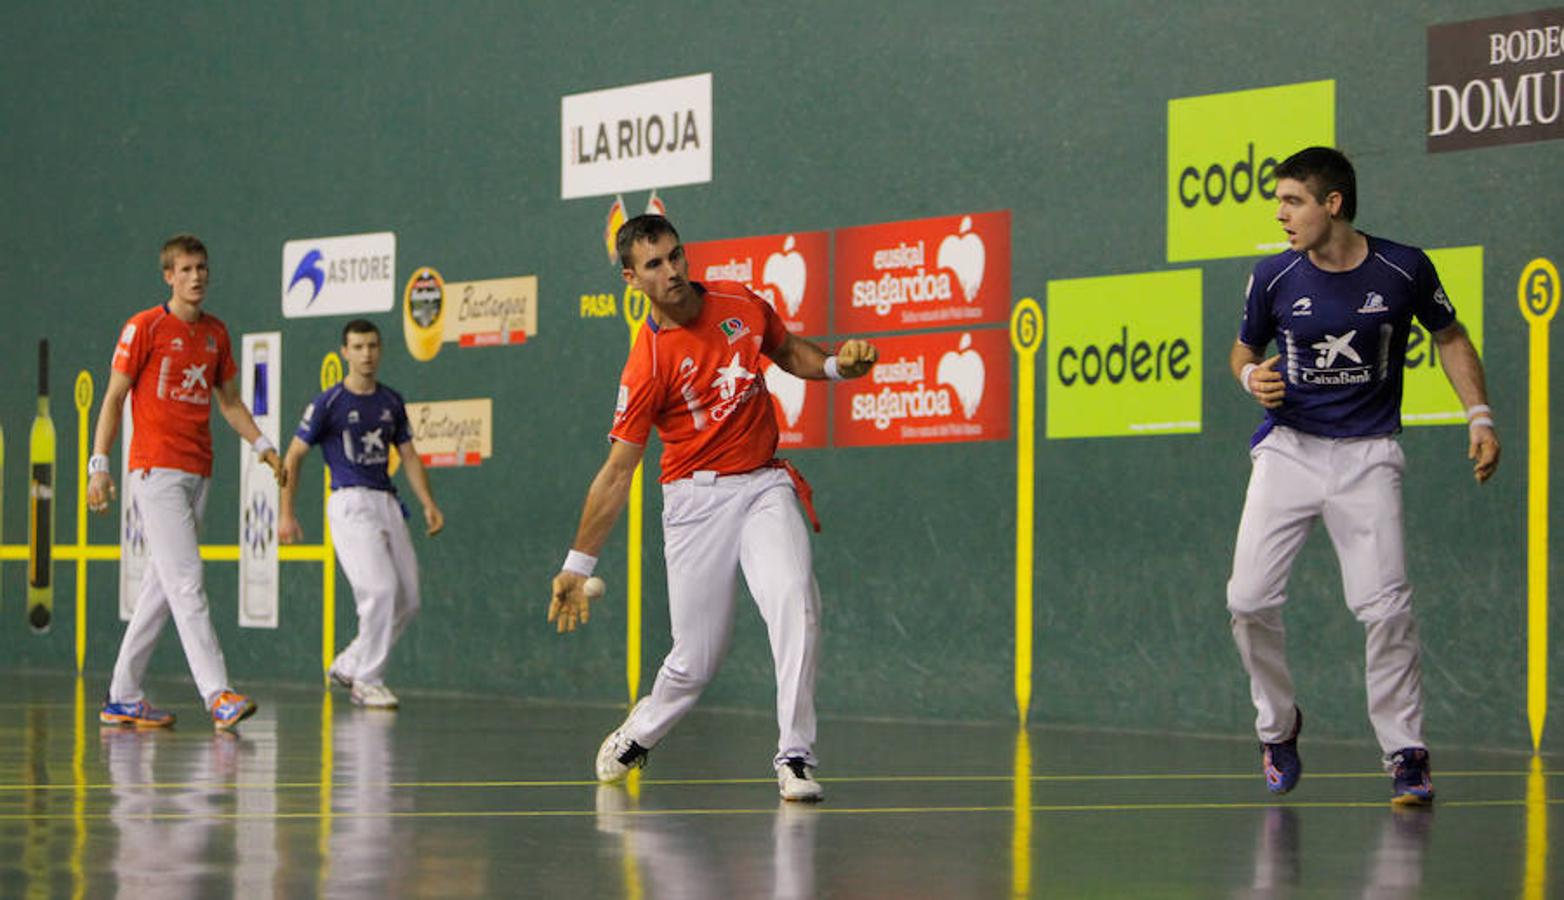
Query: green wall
x,y
252,126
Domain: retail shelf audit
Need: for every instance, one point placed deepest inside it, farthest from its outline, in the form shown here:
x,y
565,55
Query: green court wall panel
x,y
255,127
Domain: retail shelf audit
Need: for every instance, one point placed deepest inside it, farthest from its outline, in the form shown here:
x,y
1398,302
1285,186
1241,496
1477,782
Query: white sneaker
x,y
618,755
796,781
374,696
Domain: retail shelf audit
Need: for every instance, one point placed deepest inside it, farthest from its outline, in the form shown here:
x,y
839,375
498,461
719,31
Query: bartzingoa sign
x,y
1124,355
929,388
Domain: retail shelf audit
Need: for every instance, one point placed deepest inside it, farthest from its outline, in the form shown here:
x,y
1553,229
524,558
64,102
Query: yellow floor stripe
x,y
703,782
824,809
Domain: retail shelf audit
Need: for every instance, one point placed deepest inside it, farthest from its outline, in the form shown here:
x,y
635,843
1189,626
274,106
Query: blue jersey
x,y
1342,336
356,433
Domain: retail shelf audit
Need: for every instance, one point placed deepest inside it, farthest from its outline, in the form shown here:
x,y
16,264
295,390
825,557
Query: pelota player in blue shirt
x,y
1339,304
356,423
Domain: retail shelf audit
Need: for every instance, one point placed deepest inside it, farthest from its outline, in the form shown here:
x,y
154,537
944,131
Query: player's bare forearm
x,y
417,475
1242,355
606,498
418,478
291,464
803,358
1462,366
108,414
1464,369
235,413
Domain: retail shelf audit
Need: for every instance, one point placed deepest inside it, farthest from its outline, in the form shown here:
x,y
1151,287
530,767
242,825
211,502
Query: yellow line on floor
x,y
806,810
690,782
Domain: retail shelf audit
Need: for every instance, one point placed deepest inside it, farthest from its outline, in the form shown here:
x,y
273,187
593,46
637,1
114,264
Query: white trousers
x,y
714,527
372,543
172,504
1354,485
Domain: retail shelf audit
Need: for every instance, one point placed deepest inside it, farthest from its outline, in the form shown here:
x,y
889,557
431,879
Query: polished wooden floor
x,y
484,797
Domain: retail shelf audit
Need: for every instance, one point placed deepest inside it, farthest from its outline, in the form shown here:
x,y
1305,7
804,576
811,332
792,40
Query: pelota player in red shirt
x,y
728,504
172,360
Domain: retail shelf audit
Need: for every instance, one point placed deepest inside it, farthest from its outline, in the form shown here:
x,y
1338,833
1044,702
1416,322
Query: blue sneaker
x,y
140,714
1282,766
229,709
1413,785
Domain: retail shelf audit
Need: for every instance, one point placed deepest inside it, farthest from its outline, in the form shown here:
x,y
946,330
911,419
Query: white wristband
x,y
1480,420
831,371
1243,377
1472,412
579,563
261,445
98,462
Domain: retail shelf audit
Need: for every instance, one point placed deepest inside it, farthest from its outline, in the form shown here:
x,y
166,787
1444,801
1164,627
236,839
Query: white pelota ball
x,y
594,587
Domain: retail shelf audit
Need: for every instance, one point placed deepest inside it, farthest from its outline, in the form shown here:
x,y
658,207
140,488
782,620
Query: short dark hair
x,y
358,326
1330,170
188,244
648,227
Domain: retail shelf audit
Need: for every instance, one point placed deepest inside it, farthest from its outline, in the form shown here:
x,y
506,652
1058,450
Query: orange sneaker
x,y
229,709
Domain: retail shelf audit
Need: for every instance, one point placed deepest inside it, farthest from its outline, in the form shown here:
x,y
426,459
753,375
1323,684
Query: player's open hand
x,y
288,530
569,607
271,458
100,491
434,520
1267,384
1484,451
855,358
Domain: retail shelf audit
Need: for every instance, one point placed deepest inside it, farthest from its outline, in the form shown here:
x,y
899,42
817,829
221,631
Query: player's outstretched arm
x,y
100,483
288,529
805,359
606,499
1256,375
239,419
1465,370
418,477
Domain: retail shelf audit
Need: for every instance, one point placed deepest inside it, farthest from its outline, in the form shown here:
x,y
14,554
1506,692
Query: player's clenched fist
x,y
100,490
1267,384
855,358
569,606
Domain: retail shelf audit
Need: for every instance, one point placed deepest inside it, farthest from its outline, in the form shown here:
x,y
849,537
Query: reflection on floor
x,y
458,797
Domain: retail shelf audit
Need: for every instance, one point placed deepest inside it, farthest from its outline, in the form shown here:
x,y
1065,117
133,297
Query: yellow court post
x,y
1026,335
1538,293
330,374
1021,818
83,399
636,308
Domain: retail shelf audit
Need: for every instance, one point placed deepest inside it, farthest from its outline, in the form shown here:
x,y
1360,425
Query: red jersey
x,y
700,384
173,367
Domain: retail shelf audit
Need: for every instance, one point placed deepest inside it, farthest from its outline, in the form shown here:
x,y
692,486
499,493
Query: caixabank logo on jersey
x,y
929,388
1496,81
790,271
654,134
335,276
925,273
1426,395
1223,150
800,407
1124,355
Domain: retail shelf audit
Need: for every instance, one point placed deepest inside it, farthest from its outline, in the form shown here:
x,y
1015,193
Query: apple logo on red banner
x,y
788,272
962,369
963,254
